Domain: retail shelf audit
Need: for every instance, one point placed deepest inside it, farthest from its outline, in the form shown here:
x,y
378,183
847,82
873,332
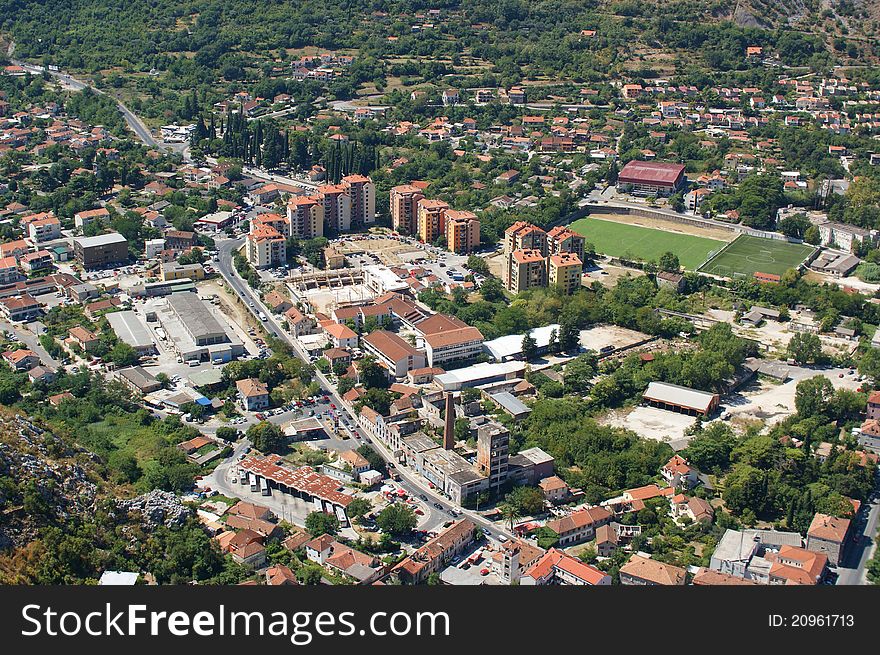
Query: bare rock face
x,y
43,484
157,508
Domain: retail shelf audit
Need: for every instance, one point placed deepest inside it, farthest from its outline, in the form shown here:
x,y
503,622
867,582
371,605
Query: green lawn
x,y
643,243
748,255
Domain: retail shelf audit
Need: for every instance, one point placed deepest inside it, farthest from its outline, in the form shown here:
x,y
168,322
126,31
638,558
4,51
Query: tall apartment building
x,y
266,247
524,236
431,217
564,271
362,194
462,231
305,217
404,206
493,446
337,207
524,270
562,239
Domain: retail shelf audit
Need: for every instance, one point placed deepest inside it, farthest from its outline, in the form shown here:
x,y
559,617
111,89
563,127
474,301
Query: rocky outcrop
x,y
157,508
42,481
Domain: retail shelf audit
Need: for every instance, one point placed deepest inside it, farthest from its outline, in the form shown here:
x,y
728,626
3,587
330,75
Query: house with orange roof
x,y
828,534
85,339
796,566
559,568
679,473
341,335
579,526
253,394
22,359
641,570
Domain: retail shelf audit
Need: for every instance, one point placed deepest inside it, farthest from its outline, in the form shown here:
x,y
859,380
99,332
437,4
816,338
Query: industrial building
x,y
131,330
478,374
193,330
681,399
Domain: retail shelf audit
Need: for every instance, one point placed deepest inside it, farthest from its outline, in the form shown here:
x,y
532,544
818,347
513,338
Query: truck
x,y
263,316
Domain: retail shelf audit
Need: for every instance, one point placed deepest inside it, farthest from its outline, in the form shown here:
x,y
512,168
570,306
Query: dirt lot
x,y
772,402
496,264
653,423
612,274
670,226
234,310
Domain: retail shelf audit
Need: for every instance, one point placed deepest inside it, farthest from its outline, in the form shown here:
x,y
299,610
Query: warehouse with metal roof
x,y
681,399
131,330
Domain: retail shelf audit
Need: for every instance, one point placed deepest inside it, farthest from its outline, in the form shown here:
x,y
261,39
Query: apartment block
x,y
362,196
305,217
431,219
337,207
564,271
462,231
525,236
562,239
403,202
266,247
524,270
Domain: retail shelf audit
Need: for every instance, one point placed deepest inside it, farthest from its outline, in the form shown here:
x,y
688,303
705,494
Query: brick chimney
x,y
449,428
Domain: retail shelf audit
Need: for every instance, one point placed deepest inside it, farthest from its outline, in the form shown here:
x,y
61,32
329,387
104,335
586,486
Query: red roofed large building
x,y
322,491
558,568
579,526
651,178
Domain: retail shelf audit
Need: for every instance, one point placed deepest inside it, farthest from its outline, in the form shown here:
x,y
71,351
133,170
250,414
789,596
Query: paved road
x,y
31,340
134,123
409,482
852,570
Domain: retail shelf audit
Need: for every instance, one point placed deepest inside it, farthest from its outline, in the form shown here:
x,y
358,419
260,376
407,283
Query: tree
x,y
579,372
569,335
318,523
510,513
124,355
309,575
358,508
477,265
669,262
266,437
869,363
492,290
397,519
529,347
813,396
375,459
805,348
371,374
227,434
528,500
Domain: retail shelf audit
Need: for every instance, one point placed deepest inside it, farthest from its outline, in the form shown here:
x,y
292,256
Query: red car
x,y
332,406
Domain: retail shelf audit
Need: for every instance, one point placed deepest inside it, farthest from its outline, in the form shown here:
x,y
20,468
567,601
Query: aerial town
x,y
340,318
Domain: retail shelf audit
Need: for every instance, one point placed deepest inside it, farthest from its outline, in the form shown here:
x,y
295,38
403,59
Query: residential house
x,y
828,534
641,570
253,394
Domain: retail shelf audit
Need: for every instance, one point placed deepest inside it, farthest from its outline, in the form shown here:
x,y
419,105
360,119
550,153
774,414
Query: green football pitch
x,y
747,255
644,243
